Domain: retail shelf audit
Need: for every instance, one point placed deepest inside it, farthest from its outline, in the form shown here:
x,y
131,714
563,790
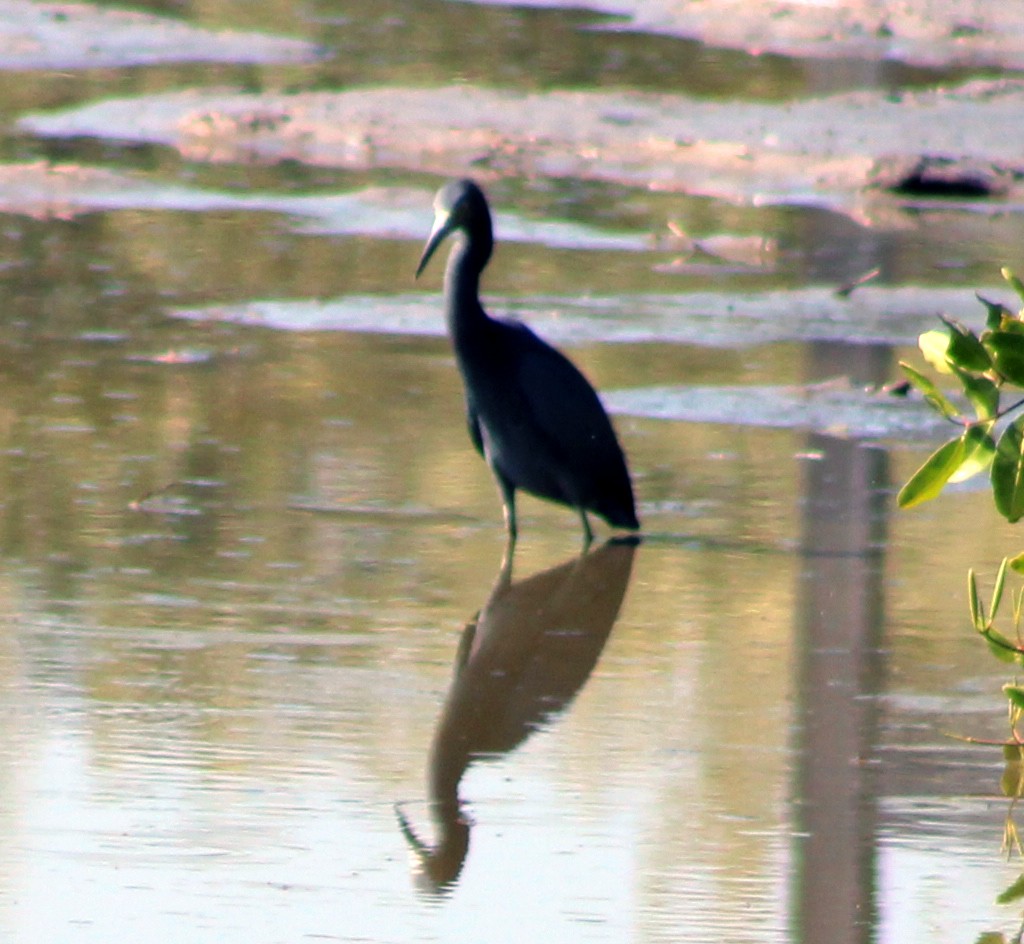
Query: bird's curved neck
x,y
468,257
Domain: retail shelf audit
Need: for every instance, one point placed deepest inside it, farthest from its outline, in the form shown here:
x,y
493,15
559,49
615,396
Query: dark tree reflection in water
x,y
840,610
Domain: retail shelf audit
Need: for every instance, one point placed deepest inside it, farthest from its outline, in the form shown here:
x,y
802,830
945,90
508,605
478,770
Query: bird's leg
x,y
588,535
508,500
505,573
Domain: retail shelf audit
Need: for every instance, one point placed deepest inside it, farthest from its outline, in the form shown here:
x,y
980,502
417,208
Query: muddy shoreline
x,y
820,151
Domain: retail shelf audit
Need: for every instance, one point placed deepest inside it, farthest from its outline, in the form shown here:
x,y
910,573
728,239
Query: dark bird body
x,y
532,415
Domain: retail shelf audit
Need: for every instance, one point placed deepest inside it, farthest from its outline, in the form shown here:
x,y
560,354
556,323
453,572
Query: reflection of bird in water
x,y
520,662
532,415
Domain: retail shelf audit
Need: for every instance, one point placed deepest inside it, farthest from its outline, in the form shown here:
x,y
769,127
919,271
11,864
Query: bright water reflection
x,y
237,564
211,709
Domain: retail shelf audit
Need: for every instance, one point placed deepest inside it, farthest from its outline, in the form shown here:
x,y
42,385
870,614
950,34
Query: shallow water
x,y
261,679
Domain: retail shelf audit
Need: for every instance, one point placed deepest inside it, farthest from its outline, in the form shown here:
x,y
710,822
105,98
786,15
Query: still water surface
x,y
261,678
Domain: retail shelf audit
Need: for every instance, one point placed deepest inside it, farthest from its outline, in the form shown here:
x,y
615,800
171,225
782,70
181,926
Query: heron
x,y
535,419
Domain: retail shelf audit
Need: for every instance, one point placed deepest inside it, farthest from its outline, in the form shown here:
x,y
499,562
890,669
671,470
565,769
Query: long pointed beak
x,y
442,227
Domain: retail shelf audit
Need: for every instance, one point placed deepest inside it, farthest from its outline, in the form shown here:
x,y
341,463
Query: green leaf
x,y
929,480
996,311
1014,892
997,591
964,349
1014,282
1011,783
1007,350
931,393
1017,563
974,601
979,451
991,937
1011,324
1008,472
934,346
1001,647
1015,693
983,394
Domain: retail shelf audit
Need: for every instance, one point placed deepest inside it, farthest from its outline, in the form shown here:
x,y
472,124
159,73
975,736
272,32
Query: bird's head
x,y
459,205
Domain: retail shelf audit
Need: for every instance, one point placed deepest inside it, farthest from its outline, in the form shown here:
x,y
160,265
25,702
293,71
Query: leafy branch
x,y
1001,646
985,366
